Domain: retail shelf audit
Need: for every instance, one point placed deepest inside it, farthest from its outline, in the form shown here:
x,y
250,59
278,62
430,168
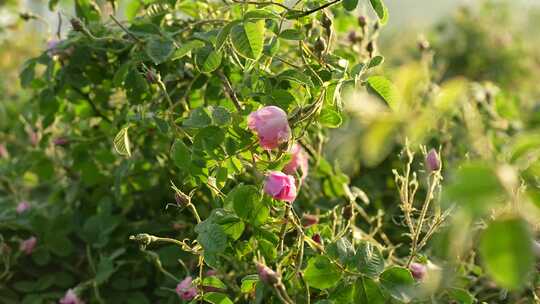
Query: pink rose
x,y
418,270
267,275
27,246
271,125
70,298
299,159
22,207
280,186
185,289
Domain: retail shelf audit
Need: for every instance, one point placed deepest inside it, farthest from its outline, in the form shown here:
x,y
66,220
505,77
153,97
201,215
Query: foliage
x,y
141,129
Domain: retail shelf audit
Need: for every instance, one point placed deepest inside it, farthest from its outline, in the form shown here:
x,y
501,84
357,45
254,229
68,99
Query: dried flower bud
x,y
317,238
432,161
326,21
267,275
347,212
353,38
370,48
362,21
418,270
320,45
76,24
181,198
309,220
151,76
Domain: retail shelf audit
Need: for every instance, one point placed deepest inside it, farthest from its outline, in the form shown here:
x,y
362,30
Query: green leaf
x,y
476,187
217,298
369,259
380,10
330,118
260,14
350,5
291,34
385,89
220,115
248,204
211,237
198,118
296,76
213,281
28,73
398,282
375,61
321,273
460,296
207,59
159,49
181,154
121,142
248,283
507,253
224,34
248,39
186,48
367,291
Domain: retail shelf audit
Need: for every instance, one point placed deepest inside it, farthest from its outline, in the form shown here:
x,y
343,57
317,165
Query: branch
x,y
230,91
92,104
311,11
264,3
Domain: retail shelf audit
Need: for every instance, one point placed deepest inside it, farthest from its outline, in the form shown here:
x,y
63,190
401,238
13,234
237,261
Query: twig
x,y
230,91
319,8
92,104
263,3
125,29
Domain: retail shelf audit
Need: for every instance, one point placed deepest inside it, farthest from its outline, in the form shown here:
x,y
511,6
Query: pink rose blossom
x,y
70,298
22,207
418,270
280,186
185,289
299,159
267,275
27,246
271,125
432,161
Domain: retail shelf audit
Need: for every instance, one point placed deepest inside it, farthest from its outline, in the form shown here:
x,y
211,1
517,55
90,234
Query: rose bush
x,y
180,156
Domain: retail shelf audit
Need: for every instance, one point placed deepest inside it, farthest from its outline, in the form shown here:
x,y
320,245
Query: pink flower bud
x,y
27,246
3,151
211,272
60,141
71,298
309,220
185,289
317,238
271,125
22,207
299,159
280,186
418,271
267,275
34,138
432,161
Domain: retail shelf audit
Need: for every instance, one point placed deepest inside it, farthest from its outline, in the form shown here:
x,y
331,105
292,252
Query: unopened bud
x,y
267,275
353,38
181,198
432,161
347,212
309,220
370,48
418,271
326,21
60,141
76,24
362,21
151,76
317,238
320,45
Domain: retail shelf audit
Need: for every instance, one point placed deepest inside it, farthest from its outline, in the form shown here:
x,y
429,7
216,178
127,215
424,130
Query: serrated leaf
x,y
121,142
367,291
186,48
248,204
260,14
291,34
208,60
330,118
248,38
224,34
159,49
296,76
369,259
385,89
399,283
321,273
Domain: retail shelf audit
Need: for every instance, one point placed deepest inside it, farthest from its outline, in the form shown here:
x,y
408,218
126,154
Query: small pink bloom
x,y
34,138
22,207
280,186
418,270
266,274
3,151
309,220
185,289
432,161
71,298
299,159
27,246
271,125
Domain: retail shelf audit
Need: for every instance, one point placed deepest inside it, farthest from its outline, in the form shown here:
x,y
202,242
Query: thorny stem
x,y
284,228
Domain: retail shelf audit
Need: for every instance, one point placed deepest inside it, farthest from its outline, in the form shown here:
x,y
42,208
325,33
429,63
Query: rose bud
x,y
185,289
71,298
299,159
317,238
362,21
27,246
353,38
418,271
271,125
267,275
280,186
181,199
76,24
347,212
22,207
34,138
309,220
432,161
60,141
151,76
